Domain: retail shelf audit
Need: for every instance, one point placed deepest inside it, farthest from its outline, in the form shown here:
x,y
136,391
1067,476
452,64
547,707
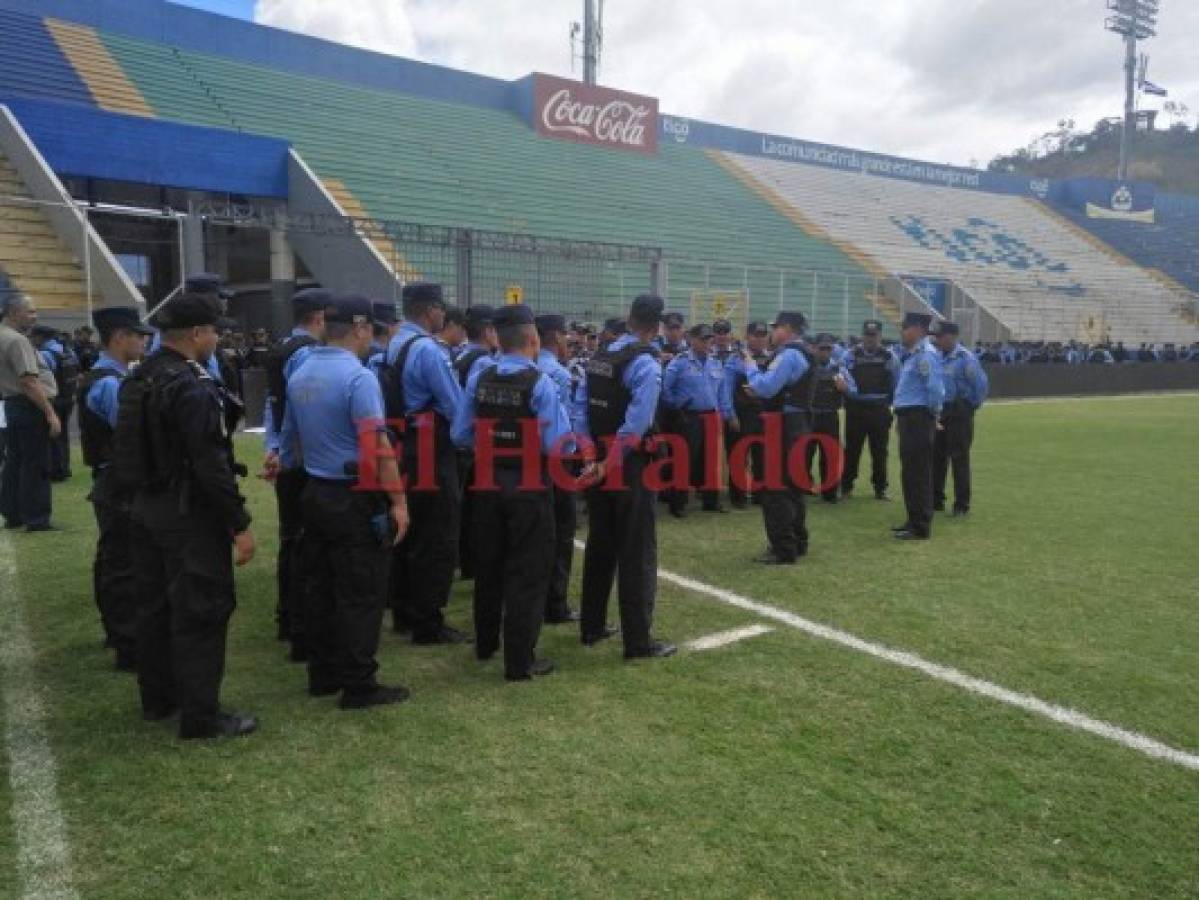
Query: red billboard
x,y
588,114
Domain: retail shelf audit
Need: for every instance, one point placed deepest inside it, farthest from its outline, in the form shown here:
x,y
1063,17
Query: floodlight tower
x,y
593,39
1134,20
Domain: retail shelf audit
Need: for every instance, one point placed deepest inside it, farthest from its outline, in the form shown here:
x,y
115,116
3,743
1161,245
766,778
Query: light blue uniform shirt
x,y
547,362
428,380
787,368
696,385
332,398
376,357
102,398
964,378
546,403
643,380
920,379
270,437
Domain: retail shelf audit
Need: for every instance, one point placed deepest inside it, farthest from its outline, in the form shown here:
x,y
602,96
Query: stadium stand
x,y
1033,272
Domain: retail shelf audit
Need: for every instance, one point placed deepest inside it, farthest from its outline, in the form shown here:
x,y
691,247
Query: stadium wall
x,y
1011,382
90,143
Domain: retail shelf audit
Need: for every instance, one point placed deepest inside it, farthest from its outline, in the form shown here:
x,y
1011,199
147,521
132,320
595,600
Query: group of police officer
x,y
356,399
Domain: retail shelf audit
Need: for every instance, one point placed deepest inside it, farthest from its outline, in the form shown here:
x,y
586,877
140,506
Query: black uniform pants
x,y
114,576
783,511
867,422
622,546
952,446
823,422
557,606
423,573
348,563
514,550
751,423
25,489
692,430
466,542
185,597
291,566
60,447
917,427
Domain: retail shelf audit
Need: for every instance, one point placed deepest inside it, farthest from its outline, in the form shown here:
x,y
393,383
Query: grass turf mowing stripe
x,y
724,638
1062,715
43,855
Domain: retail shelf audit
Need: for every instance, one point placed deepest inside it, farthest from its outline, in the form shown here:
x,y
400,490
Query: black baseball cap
x,y
512,315
206,283
917,320
312,299
758,329
550,322
948,328
796,320
722,326
189,310
384,313
350,310
616,326
872,326
673,319
423,293
113,318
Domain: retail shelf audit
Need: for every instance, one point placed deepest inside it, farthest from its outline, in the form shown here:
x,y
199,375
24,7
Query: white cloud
x,y
948,80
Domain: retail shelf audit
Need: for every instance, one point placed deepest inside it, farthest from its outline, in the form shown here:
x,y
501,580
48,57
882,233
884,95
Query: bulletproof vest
x,y
391,380
66,373
743,402
826,397
607,397
95,434
463,364
871,372
506,399
145,452
276,383
801,394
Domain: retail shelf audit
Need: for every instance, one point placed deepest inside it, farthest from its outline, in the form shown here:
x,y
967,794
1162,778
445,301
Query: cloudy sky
x,y
946,80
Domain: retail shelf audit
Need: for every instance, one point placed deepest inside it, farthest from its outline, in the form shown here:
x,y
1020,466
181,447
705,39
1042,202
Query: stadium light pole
x,y
1134,20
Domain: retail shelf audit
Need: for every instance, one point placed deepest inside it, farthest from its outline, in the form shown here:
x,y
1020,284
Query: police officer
x,y
694,386
64,365
512,513
832,383
422,389
551,333
614,328
386,324
123,341
965,391
284,469
171,447
874,371
723,343
673,340
28,390
621,393
787,386
452,336
480,343
747,413
919,394
335,420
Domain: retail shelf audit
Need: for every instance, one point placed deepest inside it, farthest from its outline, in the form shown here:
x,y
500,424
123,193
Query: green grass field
x,y
778,766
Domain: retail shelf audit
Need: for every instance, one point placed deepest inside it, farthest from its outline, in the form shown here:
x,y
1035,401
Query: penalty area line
x,y
947,674
43,852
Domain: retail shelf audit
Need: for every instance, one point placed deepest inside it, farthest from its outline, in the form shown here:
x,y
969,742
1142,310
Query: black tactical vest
x,y
607,397
871,372
463,364
95,434
508,400
743,402
276,383
801,394
826,398
145,453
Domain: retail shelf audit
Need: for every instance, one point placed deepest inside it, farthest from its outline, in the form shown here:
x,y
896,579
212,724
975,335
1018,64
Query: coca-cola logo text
x,y
594,115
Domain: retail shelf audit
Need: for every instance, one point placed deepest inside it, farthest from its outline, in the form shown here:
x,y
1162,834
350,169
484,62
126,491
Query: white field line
x,y
43,855
1062,715
724,638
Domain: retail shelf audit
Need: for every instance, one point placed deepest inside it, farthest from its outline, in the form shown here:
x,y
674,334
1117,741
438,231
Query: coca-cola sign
x,y
588,114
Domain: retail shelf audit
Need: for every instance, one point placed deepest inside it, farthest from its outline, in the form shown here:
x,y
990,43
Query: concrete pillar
x,y
193,246
283,282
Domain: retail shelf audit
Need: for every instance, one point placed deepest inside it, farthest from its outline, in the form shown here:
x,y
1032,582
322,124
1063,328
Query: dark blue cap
x,y
917,320
350,310
512,315
757,328
190,311
423,293
480,315
616,326
548,323
384,313
701,331
722,326
114,317
673,319
872,326
948,328
826,340
796,320
311,300
205,283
